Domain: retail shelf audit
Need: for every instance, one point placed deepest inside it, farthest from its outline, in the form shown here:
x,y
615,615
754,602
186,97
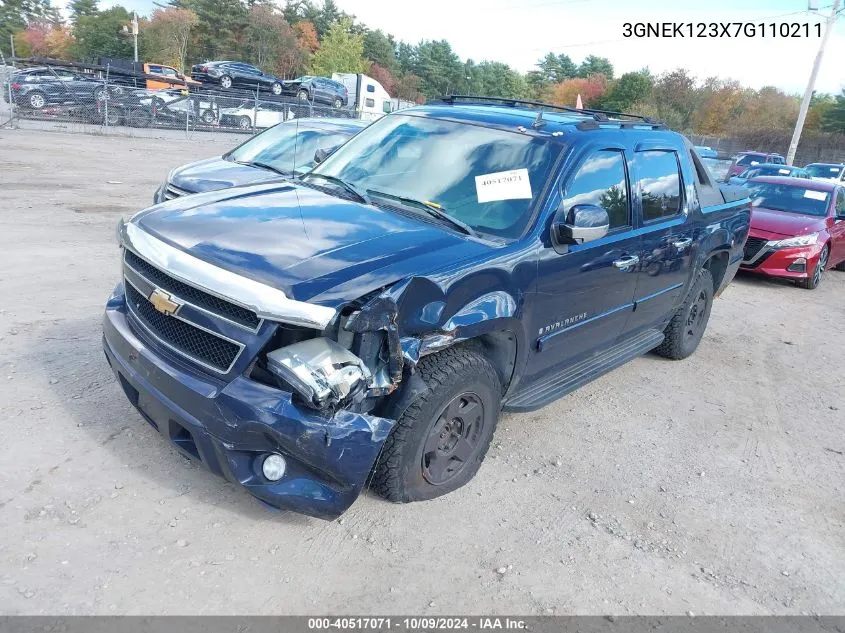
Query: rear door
x,y
837,230
668,239
585,295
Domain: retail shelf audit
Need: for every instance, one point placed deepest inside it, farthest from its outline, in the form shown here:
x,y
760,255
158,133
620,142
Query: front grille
x,y
190,341
172,191
219,307
752,247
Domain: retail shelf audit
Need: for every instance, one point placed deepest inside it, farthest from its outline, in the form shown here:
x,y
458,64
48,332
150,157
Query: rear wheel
x,y
226,82
684,332
244,123
208,117
338,103
140,118
812,282
36,100
276,88
439,442
113,117
303,95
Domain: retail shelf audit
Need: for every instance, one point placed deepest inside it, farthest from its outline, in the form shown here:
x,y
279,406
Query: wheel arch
x,y
717,263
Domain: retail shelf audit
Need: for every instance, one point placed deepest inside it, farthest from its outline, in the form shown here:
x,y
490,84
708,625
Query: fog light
x,y
273,467
798,266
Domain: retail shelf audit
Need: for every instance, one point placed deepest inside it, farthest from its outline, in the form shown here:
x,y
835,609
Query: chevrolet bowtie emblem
x,y
163,303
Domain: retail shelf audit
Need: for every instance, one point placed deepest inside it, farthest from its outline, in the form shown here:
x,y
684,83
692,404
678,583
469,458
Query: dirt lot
x,y
712,485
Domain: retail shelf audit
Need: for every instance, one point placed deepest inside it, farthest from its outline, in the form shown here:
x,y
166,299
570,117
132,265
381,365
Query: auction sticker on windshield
x,y
815,195
503,185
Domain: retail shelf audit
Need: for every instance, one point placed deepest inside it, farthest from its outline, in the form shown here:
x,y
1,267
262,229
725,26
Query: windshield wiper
x,y
432,209
334,179
255,163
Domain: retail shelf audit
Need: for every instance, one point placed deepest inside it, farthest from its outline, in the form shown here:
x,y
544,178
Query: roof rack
x,y
602,116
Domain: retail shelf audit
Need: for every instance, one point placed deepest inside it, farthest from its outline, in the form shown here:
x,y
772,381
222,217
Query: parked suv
x,y
318,90
367,322
36,88
236,75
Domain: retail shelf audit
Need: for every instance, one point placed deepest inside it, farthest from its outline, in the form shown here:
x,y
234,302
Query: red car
x,y
744,160
797,229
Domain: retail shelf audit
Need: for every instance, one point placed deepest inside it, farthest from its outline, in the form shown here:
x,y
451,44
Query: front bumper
x,y
230,427
776,262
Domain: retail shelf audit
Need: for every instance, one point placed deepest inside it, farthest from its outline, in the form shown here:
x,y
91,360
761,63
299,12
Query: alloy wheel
x,y
37,100
817,273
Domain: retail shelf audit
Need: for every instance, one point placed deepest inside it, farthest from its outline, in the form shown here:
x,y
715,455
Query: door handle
x,y
625,263
682,244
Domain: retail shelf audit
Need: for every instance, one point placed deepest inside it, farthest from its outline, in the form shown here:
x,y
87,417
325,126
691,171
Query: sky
x,y
519,32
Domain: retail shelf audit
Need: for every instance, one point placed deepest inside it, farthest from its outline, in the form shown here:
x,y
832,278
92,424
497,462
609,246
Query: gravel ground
x,y
712,485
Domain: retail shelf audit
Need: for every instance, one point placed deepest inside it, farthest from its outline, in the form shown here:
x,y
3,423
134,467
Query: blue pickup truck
x,y
366,322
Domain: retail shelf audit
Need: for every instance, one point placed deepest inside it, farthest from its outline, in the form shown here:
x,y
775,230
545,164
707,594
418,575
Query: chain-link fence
x,y
77,99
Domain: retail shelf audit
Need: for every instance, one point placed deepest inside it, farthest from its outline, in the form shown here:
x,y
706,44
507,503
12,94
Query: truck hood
x,y
784,223
311,245
212,174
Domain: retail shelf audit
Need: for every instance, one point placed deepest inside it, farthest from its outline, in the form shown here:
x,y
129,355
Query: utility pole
x,y
135,31
808,94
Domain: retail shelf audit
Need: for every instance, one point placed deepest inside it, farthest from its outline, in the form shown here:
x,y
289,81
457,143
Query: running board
x,y
571,378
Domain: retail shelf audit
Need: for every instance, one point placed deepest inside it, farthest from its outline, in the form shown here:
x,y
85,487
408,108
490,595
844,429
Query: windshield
x,y
790,198
289,147
824,171
486,178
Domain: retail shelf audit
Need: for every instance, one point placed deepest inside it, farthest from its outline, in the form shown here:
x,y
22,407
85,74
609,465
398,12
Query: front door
x,y
668,245
586,294
837,230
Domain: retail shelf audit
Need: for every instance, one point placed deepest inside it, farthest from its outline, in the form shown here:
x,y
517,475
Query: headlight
x,y
801,240
119,231
320,370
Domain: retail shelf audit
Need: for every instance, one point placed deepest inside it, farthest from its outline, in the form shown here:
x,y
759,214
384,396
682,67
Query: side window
x,y
659,184
386,107
370,103
840,202
777,160
601,181
154,69
371,88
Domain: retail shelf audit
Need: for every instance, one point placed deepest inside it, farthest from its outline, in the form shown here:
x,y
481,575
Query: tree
x,y
406,57
102,34
627,90
556,68
408,88
165,37
296,11
43,39
340,51
675,99
593,65
566,92
439,69
15,15
722,103
834,118
329,15
379,49
306,36
81,9
820,105
265,31
383,76
496,79
219,34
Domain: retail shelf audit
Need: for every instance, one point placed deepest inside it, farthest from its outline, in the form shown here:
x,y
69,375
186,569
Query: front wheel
x,y
303,95
276,88
338,103
244,123
208,117
684,332
439,442
36,100
812,282
226,82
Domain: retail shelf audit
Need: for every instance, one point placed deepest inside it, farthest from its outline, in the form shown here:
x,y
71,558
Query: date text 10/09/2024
x,y
668,30
424,623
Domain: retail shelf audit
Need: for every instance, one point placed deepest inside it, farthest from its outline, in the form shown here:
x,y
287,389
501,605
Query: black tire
x,y
684,332
113,117
244,123
36,100
459,380
139,118
338,103
208,117
226,82
812,282
303,95
276,88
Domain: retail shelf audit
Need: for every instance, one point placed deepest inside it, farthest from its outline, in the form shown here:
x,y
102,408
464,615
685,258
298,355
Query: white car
x,y
827,172
248,116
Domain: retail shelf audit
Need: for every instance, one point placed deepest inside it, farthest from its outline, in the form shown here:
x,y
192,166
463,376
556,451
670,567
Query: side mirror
x,y
581,223
323,153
